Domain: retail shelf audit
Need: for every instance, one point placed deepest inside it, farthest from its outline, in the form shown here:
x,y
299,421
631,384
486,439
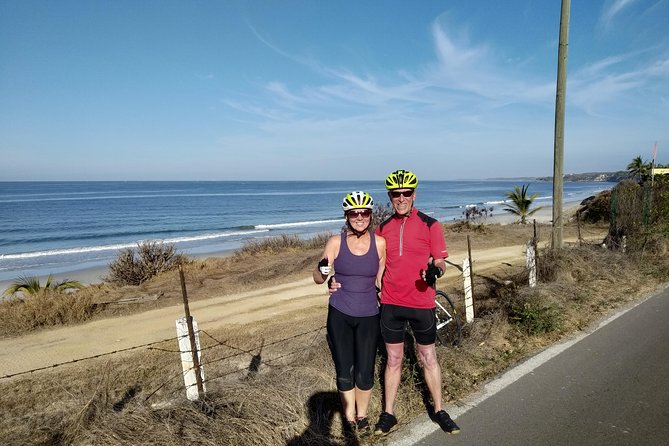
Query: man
x,y
407,294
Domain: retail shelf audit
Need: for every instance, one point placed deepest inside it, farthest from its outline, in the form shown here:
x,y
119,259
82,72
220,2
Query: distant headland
x,y
612,177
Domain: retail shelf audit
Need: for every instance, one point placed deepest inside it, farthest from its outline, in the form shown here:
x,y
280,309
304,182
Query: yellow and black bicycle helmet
x,y
357,200
401,179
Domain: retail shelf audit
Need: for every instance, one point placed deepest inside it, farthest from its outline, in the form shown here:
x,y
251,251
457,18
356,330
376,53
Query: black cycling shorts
x,y
394,320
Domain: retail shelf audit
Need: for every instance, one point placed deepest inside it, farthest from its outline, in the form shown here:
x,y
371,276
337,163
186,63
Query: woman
x,y
358,258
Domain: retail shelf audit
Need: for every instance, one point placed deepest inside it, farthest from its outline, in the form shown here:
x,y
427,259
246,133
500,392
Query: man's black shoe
x,y
445,422
386,422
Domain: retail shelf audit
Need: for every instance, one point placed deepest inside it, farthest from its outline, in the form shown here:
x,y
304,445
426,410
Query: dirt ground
x,y
284,290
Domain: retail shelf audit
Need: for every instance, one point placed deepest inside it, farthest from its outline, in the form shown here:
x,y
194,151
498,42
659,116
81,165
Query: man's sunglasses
x,y
397,193
364,213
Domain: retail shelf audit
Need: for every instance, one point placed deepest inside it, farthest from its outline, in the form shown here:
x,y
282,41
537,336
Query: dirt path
x,y
48,347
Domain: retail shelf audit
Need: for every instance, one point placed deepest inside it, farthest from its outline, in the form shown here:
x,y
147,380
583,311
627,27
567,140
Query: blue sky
x,y
259,90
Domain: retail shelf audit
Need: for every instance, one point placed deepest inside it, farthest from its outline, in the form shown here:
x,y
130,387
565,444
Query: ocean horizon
x,y
63,227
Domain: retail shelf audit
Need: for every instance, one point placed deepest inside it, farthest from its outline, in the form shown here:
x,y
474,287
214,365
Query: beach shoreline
x,y
544,215
96,274
105,218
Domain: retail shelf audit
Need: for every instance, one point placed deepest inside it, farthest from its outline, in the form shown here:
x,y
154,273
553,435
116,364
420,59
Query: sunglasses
x,y
404,193
364,213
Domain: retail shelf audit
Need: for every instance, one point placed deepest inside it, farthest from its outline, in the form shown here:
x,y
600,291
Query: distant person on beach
x,y
358,258
416,250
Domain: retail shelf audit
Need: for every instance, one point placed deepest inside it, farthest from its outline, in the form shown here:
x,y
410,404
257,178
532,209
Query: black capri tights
x,y
353,342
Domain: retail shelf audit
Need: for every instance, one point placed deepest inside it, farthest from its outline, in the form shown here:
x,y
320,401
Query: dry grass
x,y
45,309
273,383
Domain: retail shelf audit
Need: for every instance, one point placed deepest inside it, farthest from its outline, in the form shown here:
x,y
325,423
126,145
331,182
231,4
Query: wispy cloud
x,y
460,73
261,111
612,80
613,9
467,79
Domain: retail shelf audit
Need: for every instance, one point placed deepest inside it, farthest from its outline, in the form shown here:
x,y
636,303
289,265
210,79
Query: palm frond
x,y
31,286
519,202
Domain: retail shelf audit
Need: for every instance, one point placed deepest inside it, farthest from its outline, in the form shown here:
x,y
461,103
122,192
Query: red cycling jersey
x,y
410,241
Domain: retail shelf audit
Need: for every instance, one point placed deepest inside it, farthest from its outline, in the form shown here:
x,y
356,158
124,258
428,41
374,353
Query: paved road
x,y
609,388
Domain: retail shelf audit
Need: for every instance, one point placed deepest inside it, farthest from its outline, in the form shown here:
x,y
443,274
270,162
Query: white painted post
x,y
624,243
469,300
531,262
187,363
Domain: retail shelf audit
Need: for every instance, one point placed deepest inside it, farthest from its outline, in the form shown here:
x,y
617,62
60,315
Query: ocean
x,y
61,227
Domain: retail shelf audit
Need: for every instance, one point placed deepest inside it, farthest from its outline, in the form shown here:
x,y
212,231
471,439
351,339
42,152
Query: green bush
x,y
136,266
639,215
281,243
535,317
596,209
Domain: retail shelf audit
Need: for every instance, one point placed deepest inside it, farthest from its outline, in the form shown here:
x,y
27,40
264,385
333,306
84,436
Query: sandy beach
x,y
97,274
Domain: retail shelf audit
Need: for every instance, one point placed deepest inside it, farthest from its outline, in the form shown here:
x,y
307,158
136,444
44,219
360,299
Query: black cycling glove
x,y
432,273
324,267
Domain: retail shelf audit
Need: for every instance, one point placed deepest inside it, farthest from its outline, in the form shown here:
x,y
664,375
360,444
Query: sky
x,y
326,90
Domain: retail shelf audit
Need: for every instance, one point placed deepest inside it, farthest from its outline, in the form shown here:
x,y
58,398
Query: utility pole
x,y
558,146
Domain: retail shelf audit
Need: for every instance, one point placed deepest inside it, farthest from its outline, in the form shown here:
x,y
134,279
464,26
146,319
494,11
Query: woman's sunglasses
x,y
364,213
397,193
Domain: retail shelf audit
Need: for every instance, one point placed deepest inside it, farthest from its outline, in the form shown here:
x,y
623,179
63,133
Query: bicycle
x,y
449,324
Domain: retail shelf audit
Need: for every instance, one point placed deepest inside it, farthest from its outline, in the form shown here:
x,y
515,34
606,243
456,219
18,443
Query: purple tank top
x,y
357,276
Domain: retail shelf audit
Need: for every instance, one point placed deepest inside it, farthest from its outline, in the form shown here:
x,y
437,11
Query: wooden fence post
x,y
469,300
471,265
531,263
187,364
194,344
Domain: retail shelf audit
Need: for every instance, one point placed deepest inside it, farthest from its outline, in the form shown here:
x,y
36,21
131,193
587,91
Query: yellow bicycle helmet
x,y
357,200
401,179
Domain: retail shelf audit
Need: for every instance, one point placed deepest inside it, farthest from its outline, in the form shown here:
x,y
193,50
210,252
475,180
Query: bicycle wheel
x,y
449,325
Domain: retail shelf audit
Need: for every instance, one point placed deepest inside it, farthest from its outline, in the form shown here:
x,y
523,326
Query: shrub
x,y
639,215
317,241
284,242
136,266
45,309
596,209
477,214
534,316
380,214
270,245
475,219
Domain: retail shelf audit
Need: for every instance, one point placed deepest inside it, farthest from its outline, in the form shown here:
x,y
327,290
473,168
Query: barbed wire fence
x,y
255,353
252,353
86,358
193,350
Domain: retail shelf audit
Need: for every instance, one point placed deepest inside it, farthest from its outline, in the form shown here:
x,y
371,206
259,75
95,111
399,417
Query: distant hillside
x,y
613,177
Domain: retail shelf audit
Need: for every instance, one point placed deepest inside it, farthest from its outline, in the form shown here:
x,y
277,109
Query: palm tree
x,y
520,203
31,286
639,168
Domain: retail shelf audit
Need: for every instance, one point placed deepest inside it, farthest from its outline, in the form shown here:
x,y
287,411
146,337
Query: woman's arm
x,y
329,254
